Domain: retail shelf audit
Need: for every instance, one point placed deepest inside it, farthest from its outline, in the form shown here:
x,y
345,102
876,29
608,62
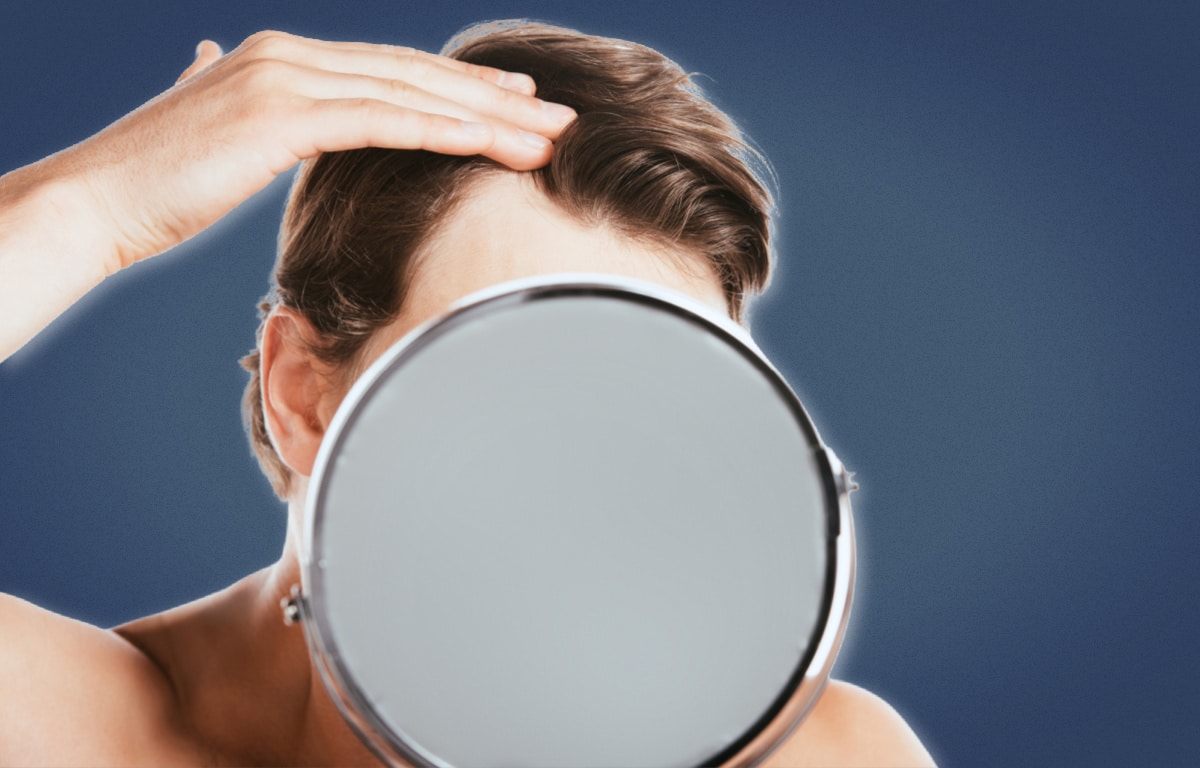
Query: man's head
x,y
649,181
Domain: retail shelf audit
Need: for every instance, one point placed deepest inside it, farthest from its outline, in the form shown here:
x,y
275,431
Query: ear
x,y
299,398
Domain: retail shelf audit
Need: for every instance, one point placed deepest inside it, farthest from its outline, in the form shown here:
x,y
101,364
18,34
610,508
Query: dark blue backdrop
x,y
986,296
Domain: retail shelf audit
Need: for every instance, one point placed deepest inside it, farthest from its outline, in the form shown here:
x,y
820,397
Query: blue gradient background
x,y
986,297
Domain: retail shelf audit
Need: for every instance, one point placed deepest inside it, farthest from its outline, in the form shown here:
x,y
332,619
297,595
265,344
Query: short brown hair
x,y
648,156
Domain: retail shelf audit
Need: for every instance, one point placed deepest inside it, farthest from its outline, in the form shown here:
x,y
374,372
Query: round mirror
x,y
575,521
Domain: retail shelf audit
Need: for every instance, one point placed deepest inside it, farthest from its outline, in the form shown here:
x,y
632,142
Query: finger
x,y
371,54
475,87
514,138
338,124
206,53
513,81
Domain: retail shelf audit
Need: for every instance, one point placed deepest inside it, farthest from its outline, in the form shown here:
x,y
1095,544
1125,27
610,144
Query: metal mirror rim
x,y
802,690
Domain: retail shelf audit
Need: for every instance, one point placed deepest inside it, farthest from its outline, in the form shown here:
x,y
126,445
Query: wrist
x,y
52,251
52,213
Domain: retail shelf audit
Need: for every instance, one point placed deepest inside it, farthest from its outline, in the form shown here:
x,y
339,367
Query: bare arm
x,y
45,264
851,727
229,126
74,694
71,693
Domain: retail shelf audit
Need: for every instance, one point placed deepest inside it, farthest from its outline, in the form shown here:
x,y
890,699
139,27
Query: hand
x,y
233,122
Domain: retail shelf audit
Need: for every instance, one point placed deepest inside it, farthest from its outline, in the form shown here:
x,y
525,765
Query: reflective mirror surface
x,y
569,525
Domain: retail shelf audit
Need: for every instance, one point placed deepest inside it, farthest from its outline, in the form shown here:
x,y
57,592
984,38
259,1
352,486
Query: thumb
x,y
206,53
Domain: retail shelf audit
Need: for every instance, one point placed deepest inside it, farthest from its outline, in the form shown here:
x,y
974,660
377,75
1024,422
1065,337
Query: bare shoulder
x,y
77,694
850,726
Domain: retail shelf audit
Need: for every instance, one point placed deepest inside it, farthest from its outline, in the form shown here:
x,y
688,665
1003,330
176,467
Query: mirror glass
x,y
570,525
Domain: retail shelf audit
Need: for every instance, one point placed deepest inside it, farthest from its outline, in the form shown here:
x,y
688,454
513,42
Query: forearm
x,y
51,251
230,125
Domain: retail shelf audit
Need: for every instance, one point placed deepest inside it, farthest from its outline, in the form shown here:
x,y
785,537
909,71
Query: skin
x,y
222,681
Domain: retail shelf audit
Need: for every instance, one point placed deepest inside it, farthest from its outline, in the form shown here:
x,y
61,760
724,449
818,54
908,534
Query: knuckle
x,y
265,75
268,43
371,111
400,90
417,67
430,123
507,101
379,119
428,127
483,73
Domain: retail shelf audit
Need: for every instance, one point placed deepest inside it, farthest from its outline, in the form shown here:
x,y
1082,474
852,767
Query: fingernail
x,y
559,113
515,81
534,140
199,47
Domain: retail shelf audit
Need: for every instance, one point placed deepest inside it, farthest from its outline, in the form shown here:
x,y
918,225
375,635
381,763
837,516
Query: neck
x,y
311,721
246,685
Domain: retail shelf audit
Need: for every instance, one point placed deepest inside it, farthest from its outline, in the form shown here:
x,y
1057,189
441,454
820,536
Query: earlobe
x,y
295,388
